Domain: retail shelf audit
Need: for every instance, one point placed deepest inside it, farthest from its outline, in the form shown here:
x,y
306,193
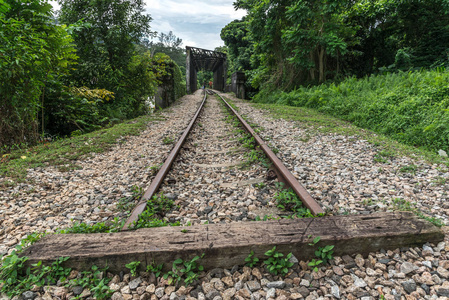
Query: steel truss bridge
x,y
201,59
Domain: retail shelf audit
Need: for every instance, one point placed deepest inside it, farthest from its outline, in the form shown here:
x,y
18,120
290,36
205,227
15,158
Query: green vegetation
x,y
400,204
30,239
259,185
204,77
383,156
153,215
155,169
412,108
440,180
168,140
132,266
108,226
127,203
251,260
186,271
323,254
408,169
87,70
35,52
286,48
62,152
155,268
170,45
257,155
93,281
287,200
277,263
246,140
286,44
404,205
18,279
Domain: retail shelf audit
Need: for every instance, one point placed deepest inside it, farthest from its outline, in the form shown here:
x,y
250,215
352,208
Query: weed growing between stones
x,y
168,140
17,277
246,140
404,205
287,200
277,263
186,271
108,226
153,215
409,169
155,268
251,260
323,254
132,266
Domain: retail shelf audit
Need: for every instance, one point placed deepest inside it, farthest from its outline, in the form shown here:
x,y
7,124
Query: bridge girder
x,y
208,60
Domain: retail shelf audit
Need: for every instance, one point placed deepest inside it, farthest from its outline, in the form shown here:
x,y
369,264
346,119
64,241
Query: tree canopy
x,y
78,71
288,43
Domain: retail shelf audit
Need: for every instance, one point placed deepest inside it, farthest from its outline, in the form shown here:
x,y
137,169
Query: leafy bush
x,y
412,108
277,263
15,278
33,51
185,270
69,109
109,226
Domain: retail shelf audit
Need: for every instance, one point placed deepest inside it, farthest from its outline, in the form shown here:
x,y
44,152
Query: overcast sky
x,y
198,23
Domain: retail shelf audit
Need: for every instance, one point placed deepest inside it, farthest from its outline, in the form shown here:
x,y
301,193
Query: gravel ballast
x,y
339,171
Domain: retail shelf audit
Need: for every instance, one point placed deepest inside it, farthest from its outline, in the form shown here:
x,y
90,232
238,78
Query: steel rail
x,y
281,170
157,181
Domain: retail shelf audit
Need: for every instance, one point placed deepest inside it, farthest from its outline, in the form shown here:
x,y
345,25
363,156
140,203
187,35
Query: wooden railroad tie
x,y
226,245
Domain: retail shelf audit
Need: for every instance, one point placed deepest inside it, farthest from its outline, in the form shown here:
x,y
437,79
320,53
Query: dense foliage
x,y
33,52
288,43
88,69
170,45
106,49
297,51
410,107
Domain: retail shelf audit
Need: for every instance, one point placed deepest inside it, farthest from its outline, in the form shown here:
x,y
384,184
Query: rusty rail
x,y
157,181
281,170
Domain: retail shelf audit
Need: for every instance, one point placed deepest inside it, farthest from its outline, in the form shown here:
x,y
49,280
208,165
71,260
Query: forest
x,y
91,65
380,64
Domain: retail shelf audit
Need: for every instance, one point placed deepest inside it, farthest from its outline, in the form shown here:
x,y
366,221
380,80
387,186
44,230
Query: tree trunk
x,y
338,64
312,70
321,64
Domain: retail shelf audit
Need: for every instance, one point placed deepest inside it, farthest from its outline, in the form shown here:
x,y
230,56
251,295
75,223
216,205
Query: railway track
x,y
213,183
213,167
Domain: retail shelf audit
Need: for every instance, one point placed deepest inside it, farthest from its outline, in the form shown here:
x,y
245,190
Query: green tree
x,y
239,45
106,47
316,31
299,42
33,51
170,45
240,52
266,21
386,29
